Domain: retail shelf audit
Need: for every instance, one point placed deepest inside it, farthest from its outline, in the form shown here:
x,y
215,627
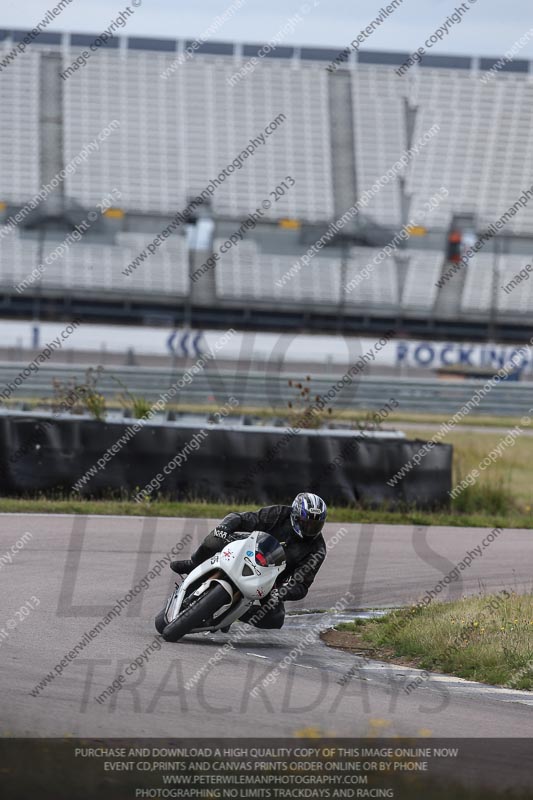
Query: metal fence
x,y
272,389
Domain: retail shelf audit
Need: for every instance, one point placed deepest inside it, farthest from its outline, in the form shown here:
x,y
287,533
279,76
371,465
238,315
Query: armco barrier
x,y
235,463
269,389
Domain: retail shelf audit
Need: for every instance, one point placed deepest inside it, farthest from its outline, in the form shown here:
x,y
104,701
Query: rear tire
x,y
199,611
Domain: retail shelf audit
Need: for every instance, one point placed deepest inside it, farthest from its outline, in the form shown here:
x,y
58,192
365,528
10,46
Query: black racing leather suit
x,y
304,556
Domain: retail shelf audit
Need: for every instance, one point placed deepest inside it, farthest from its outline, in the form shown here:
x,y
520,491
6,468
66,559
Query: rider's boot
x,y
182,567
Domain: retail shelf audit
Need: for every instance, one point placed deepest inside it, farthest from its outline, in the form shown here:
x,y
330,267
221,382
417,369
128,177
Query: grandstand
x,y
19,119
168,135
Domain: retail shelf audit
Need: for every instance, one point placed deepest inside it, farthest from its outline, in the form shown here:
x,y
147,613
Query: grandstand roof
x,y
248,50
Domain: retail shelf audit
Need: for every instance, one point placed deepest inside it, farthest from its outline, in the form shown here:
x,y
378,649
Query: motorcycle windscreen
x,y
268,551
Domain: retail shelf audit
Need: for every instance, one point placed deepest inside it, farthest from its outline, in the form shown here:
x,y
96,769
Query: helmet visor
x,y
310,528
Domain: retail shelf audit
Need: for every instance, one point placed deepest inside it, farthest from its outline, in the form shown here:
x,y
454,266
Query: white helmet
x,y
308,515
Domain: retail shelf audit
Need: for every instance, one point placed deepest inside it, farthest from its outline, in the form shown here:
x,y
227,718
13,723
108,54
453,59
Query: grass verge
x,y
484,638
199,508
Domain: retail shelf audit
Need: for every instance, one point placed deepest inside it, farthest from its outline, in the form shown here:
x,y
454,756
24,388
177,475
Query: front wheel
x,y
160,621
196,613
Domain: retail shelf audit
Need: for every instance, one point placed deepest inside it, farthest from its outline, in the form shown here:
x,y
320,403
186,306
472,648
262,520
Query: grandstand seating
x,y
245,273
19,123
193,125
477,292
518,298
380,288
483,271
379,131
178,133
485,139
145,158
420,288
485,279
96,269
17,258
478,154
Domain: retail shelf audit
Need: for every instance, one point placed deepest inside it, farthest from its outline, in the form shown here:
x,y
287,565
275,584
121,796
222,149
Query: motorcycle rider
x,y
299,530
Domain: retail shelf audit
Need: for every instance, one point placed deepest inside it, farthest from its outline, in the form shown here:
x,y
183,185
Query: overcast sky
x,y
489,28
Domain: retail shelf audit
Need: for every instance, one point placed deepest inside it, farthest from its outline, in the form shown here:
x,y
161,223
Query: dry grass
x,y
484,638
511,473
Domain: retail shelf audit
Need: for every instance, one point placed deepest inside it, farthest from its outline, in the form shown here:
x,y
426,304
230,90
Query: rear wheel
x,y
196,613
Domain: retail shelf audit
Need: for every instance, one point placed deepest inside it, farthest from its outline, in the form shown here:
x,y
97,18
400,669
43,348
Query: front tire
x,y
194,615
160,622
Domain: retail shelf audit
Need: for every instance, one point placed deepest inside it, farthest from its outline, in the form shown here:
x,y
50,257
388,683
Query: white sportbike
x,y
223,588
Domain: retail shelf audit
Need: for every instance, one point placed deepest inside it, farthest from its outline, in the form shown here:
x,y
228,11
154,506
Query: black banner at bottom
x,y
116,769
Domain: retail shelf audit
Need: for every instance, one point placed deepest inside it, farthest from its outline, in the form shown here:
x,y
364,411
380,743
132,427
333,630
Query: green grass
x,y
484,638
169,508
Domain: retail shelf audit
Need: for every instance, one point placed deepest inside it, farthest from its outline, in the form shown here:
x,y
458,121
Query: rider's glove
x,y
274,598
291,590
271,601
221,532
